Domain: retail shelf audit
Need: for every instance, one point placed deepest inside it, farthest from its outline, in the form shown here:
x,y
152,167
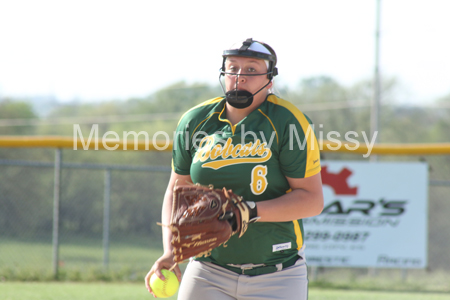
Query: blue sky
x,y
99,50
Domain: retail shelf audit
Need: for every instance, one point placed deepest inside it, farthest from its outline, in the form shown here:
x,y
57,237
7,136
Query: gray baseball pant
x,y
207,281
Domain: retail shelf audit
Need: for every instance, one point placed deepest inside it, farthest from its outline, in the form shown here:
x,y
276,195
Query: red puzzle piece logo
x,y
338,181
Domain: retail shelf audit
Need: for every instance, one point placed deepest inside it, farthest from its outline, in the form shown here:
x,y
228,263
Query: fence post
x,y
106,217
56,200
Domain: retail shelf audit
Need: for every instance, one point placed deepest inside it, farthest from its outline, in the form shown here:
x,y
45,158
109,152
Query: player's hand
x,y
164,262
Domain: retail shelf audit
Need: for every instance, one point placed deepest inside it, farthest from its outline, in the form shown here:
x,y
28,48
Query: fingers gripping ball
x,y
166,288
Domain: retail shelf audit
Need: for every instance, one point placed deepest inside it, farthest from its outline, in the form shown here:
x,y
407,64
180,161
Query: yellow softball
x,y
166,288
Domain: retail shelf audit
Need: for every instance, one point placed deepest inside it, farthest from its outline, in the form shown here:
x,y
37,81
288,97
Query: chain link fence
x,y
100,219
106,214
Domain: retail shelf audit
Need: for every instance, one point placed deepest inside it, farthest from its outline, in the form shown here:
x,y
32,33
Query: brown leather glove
x,y
204,218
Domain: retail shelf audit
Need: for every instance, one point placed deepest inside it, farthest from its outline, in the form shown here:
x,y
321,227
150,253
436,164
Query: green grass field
x,y
25,273
135,291
80,259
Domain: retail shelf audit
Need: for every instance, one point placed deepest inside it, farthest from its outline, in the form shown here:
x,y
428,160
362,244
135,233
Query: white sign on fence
x,y
375,215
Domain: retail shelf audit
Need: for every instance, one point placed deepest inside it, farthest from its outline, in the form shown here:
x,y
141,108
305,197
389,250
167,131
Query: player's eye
x,y
232,69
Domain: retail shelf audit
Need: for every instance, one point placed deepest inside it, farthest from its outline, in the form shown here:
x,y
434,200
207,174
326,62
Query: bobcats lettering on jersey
x,y
229,154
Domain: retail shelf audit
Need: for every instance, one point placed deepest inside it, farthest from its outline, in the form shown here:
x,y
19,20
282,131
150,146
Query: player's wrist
x,y
253,211
168,253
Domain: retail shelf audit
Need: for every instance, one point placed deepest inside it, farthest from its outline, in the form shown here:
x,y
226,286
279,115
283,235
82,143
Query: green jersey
x,y
252,158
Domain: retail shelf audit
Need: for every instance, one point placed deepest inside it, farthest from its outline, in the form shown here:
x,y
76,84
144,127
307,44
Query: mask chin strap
x,y
240,98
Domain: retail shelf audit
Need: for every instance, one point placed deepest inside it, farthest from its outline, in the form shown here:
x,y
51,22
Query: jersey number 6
x,y
259,181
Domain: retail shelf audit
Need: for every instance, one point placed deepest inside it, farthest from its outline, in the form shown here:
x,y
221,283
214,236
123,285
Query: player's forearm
x,y
297,204
167,208
165,218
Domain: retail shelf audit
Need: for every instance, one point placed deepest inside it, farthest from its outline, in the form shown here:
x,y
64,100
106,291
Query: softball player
x,y
264,149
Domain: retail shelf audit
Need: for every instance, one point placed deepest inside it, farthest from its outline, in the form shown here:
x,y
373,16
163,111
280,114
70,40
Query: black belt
x,y
261,270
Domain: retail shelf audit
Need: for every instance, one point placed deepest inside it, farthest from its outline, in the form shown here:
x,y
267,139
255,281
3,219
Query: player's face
x,y
242,66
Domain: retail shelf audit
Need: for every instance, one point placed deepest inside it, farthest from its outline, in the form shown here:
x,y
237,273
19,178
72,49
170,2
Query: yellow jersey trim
x,y
193,132
271,123
312,154
233,127
298,234
207,102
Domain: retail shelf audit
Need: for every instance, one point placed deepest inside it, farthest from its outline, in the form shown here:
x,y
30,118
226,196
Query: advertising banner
x,y
375,215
